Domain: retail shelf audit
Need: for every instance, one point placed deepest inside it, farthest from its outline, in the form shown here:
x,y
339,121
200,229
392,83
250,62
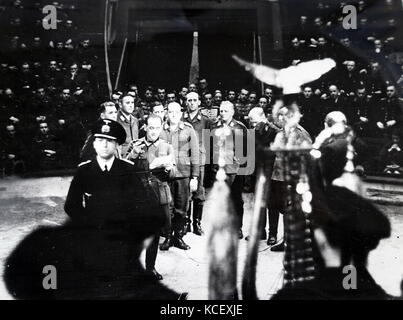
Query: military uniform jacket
x,y
390,109
235,145
99,199
186,147
131,126
202,125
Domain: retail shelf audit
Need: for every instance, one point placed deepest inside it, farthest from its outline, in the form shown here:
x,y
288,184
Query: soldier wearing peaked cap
x,y
105,188
96,253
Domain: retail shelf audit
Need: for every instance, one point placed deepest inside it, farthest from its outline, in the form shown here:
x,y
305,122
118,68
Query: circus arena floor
x,y
28,203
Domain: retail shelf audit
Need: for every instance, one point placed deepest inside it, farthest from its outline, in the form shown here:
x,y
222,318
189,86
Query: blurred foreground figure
x,y
95,255
345,226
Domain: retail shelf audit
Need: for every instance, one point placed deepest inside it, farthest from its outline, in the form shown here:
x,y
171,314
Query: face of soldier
x,y
154,128
322,41
243,94
174,113
192,88
192,101
390,91
159,110
268,92
161,94
127,105
110,113
41,92
334,92
66,94
217,98
203,84
148,94
226,112
263,103
231,95
184,92
171,97
208,100
252,98
52,65
104,147
10,131
43,127
308,92
350,66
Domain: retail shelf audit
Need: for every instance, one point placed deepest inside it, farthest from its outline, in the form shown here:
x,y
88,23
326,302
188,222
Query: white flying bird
x,y
291,78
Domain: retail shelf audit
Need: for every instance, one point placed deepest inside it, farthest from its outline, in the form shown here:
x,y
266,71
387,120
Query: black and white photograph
x,y
226,151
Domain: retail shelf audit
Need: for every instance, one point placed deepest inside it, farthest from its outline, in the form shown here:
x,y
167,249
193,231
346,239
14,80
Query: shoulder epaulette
x,y
128,161
83,163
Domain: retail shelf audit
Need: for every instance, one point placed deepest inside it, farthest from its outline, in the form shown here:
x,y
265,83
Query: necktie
x,y
106,169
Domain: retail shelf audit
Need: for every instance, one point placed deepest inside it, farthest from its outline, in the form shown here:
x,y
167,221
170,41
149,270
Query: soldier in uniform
x,y
389,114
108,111
199,123
96,253
184,140
232,163
127,120
156,158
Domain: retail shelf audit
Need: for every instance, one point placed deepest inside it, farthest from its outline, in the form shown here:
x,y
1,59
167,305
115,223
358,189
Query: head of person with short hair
x,y
335,117
192,87
193,102
350,65
66,94
126,104
268,92
171,97
217,98
53,65
390,91
322,41
161,94
227,111
308,92
43,128
334,91
295,42
252,97
174,113
243,95
159,110
40,92
184,91
231,95
108,110
153,127
25,67
288,116
203,84
148,94
108,135
256,115
262,102
208,100
10,130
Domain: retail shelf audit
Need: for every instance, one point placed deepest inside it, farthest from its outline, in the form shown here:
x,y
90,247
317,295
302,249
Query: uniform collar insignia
x,y
186,115
199,117
166,126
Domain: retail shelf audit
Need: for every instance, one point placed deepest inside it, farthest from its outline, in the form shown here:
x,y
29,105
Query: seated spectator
x,y
13,152
391,156
46,148
388,115
252,98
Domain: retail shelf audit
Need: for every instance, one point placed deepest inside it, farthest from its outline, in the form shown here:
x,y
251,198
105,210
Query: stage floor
x,y
28,203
